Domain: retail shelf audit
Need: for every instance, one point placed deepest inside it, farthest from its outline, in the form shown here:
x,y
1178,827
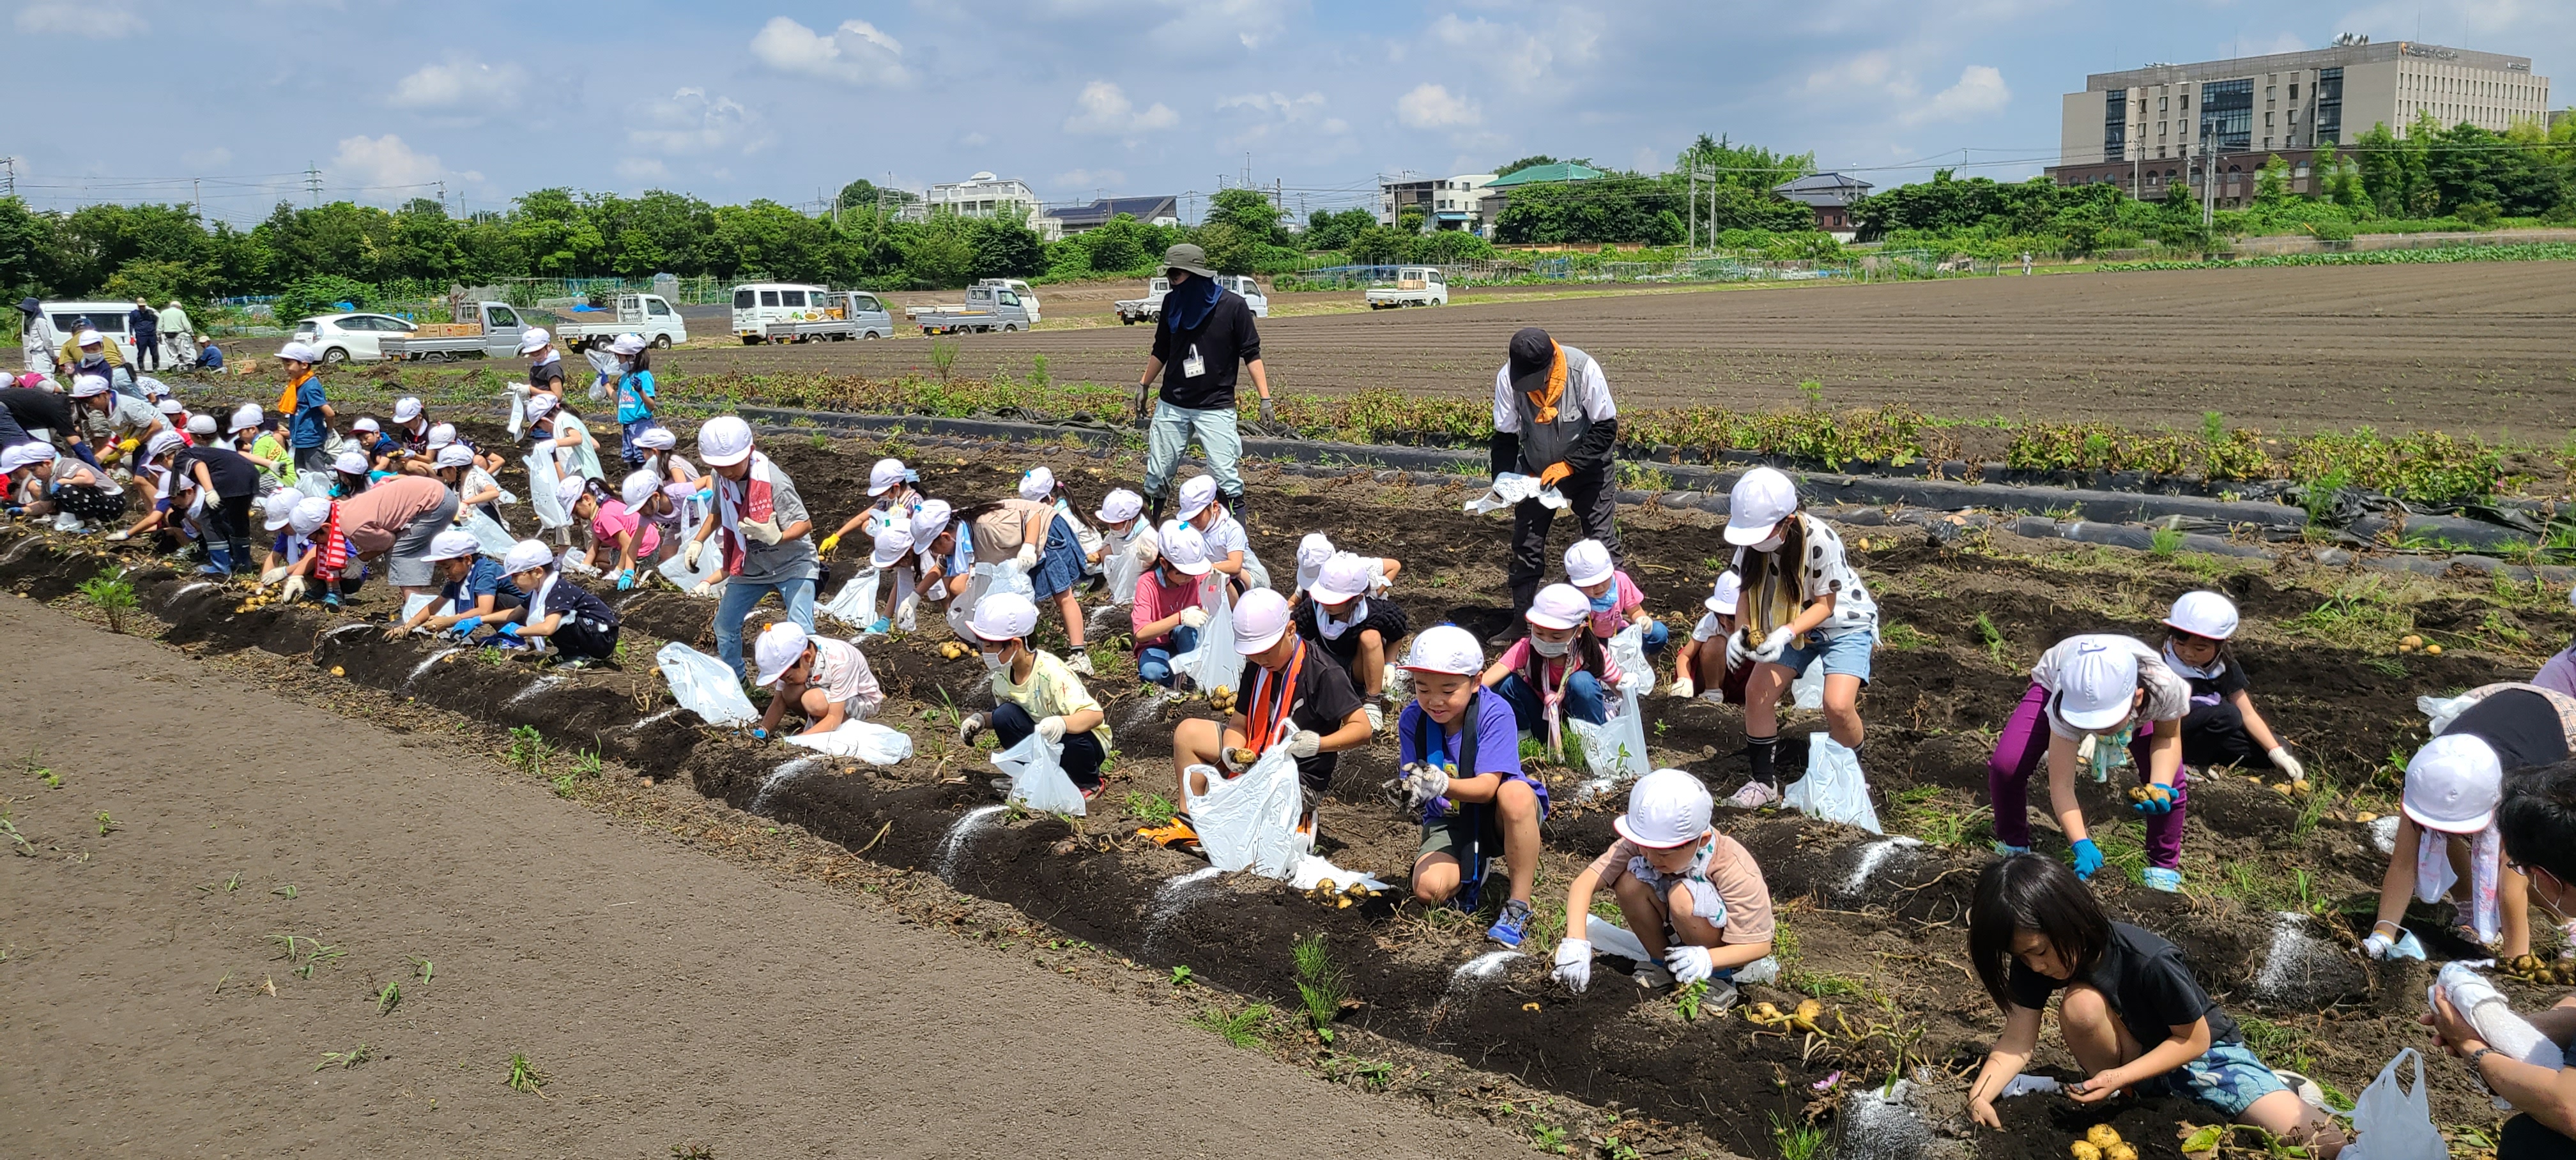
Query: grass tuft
x,y
1322,985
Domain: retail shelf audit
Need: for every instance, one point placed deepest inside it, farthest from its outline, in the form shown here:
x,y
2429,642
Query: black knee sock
x,y
1764,751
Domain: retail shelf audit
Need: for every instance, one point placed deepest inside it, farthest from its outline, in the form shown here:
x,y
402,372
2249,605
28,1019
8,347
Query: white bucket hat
x,y
2097,687
1037,485
350,463
928,520
1196,495
534,339
637,487
627,344
454,544
1666,808
406,409
1003,616
1445,648
1559,606
1588,563
455,455
1343,578
527,554
302,352
1761,499
311,512
723,441
780,646
892,541
2453,784
1120,506
2204,614
1721,598
1184,548
887,475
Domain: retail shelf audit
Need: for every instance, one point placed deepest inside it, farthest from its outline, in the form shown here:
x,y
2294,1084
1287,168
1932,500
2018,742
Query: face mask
x,y
992,662
1550,648
1608,597
1770,545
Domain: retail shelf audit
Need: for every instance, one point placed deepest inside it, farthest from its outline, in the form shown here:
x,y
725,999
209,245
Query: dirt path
x,y
2462,347
669,997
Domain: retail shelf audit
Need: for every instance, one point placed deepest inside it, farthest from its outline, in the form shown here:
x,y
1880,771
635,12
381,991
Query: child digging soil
x,y
1694,897
1461,771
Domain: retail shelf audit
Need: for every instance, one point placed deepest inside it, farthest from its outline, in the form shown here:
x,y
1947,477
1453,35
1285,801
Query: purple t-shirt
x,y
1498,745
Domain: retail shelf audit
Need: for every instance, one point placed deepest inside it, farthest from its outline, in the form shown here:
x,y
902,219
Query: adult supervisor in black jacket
x,y
1553,419
1204,336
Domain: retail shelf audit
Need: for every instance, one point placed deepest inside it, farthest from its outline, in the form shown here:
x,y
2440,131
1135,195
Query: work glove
x,y
706,588
466,626
1269,414
1417,785
1553,474
1629,682
2404,946
129,446
704,495
689,555
293,591
1194,617
1773,646
970,728
626,580
1683,688
1027,560
2159,800
272,576
1574,964
2287,764
1052,729
1305,744
119,535
765,531
1736,652
1689,964
2088,858
1144,405
829,542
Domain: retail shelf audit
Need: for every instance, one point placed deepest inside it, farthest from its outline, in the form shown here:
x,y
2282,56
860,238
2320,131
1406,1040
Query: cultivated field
x,y
2467,347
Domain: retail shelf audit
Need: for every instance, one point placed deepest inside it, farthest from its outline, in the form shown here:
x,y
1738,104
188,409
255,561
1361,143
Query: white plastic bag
x,y
518,409
2443,710
1037,774
1120,569
541,490
986,578
1250,822
1833,789
856,606
865,740
1615,750
1628,651
1510,488
412,605
704,686
490,537
1808,691
710,567
1213,664
2394,1123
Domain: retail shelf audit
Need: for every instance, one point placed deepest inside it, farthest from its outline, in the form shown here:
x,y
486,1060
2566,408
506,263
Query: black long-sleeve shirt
x,y
1226,340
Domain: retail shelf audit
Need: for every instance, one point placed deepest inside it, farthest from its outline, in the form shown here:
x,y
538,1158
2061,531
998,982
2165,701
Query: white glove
x,y
689,555
1574,964
706,588
1736,653
1423,784
120,535
1305,744
2378,946
2287,764
1683,688
1194,617
272,576
1774,645
1052,729
765,531
1027,560
293,591
1688,964
1145,550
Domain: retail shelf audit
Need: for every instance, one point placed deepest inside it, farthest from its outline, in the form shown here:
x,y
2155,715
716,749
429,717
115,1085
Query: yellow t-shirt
x,y
1052,691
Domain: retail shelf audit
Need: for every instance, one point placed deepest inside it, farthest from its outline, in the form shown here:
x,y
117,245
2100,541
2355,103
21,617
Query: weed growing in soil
x,y
1181,976
2361,615
1993,638
1797,1141
528,750
41,773
1321,984
111,595
286,892
423,968
1241,1028
1902,637
388,998
343,1060
233,882
524,1077
1548,1138
700,1151
9,830
1688,1000
106,824
2164,542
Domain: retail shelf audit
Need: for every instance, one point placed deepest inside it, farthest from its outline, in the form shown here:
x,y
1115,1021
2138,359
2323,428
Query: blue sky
x,y
1081,97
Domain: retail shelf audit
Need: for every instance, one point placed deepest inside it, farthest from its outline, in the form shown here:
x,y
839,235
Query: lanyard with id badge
x,y
1193,366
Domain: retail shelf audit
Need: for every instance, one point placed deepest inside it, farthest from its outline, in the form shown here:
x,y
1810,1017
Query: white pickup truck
x,y
987,309
1019,289
852,314
1414,286
493,332
1150,307
644,314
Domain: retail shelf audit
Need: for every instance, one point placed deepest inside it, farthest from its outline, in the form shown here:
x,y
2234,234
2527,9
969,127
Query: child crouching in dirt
x,y
2133,1016
1034,692
1461,771
1168,607
826,681
1700,668
1559,671
472,589
2112,691
1344,614
1617,602
2447,827
1694,897
580,627
2222,727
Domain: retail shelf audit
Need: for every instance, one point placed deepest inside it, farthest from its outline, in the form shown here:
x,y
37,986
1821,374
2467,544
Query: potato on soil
x,y
2119,1152
2410,640
2084,1150
2432,650
2102,1136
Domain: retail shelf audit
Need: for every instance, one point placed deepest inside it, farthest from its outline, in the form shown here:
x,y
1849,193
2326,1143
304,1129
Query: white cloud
x,y
691,120
1103,108
1521,58
1279,105
855,53
642,168
460,83
386,161
1980,92
1875,69
1220,24
1431,106
1084,181
108,22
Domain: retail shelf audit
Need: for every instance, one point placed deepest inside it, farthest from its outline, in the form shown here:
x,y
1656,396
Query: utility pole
x,y
8,177
1690,236
197,198
313,183
442,197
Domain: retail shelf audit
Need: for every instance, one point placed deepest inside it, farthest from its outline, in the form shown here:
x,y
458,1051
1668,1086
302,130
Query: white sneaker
x,y
66,522
1755,795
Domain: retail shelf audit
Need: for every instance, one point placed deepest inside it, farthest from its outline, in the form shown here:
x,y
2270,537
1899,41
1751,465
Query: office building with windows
x,y
2146,129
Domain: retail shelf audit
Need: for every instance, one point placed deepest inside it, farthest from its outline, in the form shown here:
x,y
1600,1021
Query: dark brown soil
x,y
2469,347
1885,952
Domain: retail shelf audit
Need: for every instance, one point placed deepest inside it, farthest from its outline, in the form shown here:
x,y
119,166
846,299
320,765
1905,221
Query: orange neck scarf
x,y
1545,400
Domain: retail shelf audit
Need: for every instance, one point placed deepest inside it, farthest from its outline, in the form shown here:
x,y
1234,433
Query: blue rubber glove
x,y
2159,800
466,626
2088,858
511,630
761,734
626,580
705,495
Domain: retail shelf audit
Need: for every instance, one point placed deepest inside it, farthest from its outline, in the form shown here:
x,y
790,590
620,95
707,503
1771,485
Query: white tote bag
x,y
1250,822
2394,1123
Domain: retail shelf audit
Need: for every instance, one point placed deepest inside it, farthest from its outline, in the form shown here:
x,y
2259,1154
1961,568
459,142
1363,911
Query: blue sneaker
x,y
2162,878
881,626
1511,925
2004,851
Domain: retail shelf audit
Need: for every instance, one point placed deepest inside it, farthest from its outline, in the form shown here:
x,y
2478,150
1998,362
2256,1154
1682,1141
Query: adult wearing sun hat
x,y
38,337
1554,419
760,530
1206,334
2453,786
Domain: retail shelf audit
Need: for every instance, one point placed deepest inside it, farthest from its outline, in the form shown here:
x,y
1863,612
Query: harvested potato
x,y
1241,756
2119,1152
2102,1136
2410,640
2432,650
2084,1150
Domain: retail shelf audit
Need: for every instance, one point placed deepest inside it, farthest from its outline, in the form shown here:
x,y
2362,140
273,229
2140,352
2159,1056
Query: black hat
x,y
1533,356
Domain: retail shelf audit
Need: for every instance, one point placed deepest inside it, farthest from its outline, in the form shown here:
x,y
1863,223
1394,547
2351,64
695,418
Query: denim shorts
x,y
2227,1077
1844,655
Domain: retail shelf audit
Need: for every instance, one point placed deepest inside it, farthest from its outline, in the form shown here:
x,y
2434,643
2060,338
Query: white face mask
x,y
992,661
1550,648
1770,545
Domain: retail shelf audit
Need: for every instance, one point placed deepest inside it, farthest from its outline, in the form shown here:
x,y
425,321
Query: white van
x,y
757,304
108,318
